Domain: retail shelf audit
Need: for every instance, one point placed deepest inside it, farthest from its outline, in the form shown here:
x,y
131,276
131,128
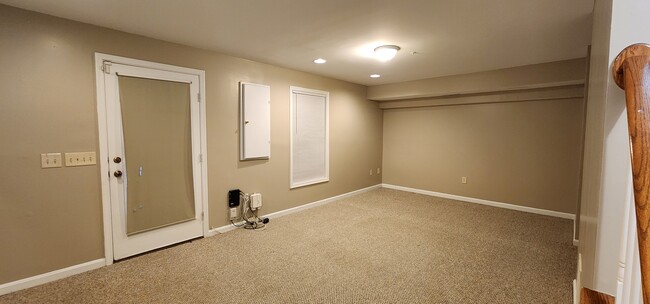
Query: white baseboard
x,y
576,295
50,276
224,229
483,202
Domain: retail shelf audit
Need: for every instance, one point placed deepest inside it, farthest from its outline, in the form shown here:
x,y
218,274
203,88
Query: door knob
x,y
117,173
117,160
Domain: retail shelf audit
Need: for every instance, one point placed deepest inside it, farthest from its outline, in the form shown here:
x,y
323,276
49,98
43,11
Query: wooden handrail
x,y
588,296
631,71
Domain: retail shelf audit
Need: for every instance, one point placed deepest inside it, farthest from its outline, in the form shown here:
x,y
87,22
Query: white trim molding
x,y
281,213
50,276
483,202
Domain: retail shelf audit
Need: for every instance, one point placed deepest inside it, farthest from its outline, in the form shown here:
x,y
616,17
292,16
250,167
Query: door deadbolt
x,y
117,173
117,160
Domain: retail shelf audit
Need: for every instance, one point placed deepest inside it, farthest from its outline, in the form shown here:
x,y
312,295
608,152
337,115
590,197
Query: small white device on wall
x,y
255,121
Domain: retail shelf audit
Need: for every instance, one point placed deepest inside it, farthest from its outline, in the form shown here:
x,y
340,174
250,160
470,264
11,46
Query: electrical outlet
x,y
370,171
463,180
378,170
233,213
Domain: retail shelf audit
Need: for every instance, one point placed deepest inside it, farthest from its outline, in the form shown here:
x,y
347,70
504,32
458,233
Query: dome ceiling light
x,y
386,52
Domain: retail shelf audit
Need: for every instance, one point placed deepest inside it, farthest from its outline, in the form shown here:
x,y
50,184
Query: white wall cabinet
x,y
255,121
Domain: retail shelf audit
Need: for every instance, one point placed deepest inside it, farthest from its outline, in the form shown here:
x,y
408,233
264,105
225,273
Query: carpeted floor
x,y
383,246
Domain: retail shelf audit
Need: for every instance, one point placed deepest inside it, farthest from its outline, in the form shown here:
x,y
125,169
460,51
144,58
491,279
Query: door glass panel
x,y
158,155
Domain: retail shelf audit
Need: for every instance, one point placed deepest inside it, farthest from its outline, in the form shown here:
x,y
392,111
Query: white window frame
x,y
298,90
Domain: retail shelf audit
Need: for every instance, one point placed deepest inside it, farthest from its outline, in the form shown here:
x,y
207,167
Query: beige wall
x,y
523,153
51,218
544,75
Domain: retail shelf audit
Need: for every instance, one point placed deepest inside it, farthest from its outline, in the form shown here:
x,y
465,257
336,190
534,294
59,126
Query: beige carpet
x,y
383,246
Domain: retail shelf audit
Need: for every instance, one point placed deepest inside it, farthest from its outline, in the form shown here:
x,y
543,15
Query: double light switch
x,y
51,160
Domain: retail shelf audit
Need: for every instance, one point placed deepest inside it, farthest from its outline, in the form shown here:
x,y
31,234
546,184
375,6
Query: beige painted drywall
x,y
545,75
52,218
554,93
522,153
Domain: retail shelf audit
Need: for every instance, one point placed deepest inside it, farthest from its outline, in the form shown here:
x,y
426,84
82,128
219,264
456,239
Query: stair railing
x,y
631,71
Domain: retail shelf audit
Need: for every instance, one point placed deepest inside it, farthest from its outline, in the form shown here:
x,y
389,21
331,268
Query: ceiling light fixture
x,y
320,61
375,76
386,52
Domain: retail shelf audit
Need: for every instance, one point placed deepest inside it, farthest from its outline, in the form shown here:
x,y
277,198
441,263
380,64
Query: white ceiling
x,y
450,36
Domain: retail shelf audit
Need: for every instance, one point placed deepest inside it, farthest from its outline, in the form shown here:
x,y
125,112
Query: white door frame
x,y
103,158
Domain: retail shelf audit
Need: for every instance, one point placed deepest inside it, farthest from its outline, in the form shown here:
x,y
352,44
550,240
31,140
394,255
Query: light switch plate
x,y
80,159
51,160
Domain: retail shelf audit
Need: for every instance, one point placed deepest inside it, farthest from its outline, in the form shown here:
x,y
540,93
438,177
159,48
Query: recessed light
x,y
386,52
375,76
320,61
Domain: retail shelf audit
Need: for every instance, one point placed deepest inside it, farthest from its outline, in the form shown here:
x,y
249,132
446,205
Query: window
x,y
309,137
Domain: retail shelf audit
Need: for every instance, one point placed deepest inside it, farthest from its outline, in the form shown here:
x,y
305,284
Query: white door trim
x,y
103,158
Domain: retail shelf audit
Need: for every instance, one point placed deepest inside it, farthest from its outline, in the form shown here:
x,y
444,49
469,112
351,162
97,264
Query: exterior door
x,y
154,170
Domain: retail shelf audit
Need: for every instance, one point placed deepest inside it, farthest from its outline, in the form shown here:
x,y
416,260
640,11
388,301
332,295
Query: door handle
x,y
117,173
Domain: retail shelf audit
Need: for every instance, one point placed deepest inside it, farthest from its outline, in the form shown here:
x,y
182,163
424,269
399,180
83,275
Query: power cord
x,y
248,215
